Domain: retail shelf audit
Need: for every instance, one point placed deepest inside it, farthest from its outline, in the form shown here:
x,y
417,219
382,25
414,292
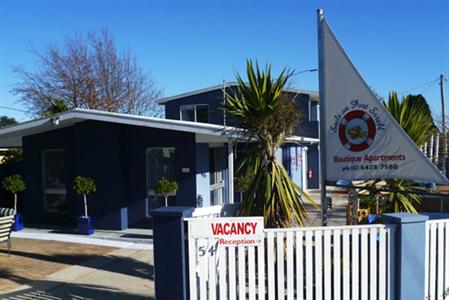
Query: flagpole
x,y
320,18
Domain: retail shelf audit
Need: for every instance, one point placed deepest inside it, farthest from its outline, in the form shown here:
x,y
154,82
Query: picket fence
x,y
345,262
437,260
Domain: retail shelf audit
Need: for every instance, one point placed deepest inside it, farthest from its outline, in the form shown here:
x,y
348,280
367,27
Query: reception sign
x,y
235,232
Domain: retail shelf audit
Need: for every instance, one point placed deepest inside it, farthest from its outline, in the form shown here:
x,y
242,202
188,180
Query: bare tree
x,y
88,72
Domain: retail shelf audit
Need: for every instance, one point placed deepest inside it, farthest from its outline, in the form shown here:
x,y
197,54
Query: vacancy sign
x,y
229,232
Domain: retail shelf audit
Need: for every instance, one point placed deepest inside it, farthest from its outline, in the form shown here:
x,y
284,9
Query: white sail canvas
x,y
363,141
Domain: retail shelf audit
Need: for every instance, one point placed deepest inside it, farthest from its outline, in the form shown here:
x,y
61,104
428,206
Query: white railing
x,y
437,260
215,211
346,262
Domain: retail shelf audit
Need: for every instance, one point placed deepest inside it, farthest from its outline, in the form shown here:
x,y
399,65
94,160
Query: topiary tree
x,y
14,184
84,186
241,184
164,187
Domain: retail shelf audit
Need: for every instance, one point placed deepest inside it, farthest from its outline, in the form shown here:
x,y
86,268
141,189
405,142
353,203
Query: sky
x,y
400,45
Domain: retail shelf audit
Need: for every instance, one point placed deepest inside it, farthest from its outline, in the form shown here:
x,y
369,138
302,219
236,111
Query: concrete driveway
x,y
120,274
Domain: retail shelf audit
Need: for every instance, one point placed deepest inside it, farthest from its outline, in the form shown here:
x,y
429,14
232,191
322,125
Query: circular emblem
x,y
357,130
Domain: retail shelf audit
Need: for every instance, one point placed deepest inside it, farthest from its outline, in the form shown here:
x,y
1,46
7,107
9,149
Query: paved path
x,y
130,238
121,274
336,215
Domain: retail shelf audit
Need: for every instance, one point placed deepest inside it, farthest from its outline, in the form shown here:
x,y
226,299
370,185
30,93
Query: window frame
x,y
314,111
150,192
195,115
53,191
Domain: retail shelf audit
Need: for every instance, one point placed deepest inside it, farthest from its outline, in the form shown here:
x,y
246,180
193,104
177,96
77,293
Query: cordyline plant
x,y
84,186
267,118
14,184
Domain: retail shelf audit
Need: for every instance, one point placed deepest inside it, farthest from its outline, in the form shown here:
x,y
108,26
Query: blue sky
x,y
186,45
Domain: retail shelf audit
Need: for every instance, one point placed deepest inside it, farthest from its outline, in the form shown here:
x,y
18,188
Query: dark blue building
x,y
126,155
300,156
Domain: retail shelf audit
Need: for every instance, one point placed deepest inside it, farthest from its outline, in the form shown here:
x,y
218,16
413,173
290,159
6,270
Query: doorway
x,y
160,163
217,164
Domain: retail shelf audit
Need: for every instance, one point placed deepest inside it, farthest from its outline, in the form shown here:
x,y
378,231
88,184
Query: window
x,y
314,111
160,162
195,113
188,113
54,181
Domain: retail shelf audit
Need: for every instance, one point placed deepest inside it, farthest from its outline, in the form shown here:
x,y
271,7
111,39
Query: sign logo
x,y
357,130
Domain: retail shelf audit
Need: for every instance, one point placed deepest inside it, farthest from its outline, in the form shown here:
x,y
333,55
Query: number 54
x,y
202,250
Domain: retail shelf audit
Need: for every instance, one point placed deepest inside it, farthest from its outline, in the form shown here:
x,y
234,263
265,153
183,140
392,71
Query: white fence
x,y
346,262
437,260
215,211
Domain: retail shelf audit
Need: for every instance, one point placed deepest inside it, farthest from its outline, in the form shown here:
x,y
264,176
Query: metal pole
x,y
320,19
443,112
437,149
224,102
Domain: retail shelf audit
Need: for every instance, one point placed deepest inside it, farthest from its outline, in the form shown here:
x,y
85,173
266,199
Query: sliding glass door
x,y
160,163
54,181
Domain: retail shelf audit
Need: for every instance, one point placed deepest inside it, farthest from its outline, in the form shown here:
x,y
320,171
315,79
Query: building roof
x,y
11,136
313,94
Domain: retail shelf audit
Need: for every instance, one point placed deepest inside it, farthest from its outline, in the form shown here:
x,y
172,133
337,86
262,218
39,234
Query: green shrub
x,y
14,184
84,185
164,187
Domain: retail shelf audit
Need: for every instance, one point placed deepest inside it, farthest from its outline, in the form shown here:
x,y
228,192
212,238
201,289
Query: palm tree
x,y
414,116
267,119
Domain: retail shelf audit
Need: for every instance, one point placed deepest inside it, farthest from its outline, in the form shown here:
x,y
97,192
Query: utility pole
x,y
443,112
320,19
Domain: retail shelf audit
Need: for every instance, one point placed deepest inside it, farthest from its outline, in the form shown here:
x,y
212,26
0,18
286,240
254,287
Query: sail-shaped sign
x,y
362,139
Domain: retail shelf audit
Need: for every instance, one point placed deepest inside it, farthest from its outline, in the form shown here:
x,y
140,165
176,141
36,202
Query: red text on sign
x,y
234,228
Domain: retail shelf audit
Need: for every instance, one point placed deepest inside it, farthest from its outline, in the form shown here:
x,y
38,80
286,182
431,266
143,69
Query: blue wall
x,y
214,99
32,168
114,155
136,140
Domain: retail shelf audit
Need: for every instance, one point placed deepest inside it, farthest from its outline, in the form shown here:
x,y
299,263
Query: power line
x,y
425,89
12,108
420,86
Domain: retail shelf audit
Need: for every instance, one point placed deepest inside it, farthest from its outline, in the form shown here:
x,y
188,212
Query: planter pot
x,y
85,225
18,222
373,219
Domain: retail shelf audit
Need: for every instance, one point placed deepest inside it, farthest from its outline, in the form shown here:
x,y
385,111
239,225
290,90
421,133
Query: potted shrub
x,y
165,187
15,184
84,186
241,184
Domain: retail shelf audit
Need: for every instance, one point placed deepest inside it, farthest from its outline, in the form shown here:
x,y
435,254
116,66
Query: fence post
x,y
170,260
409,258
